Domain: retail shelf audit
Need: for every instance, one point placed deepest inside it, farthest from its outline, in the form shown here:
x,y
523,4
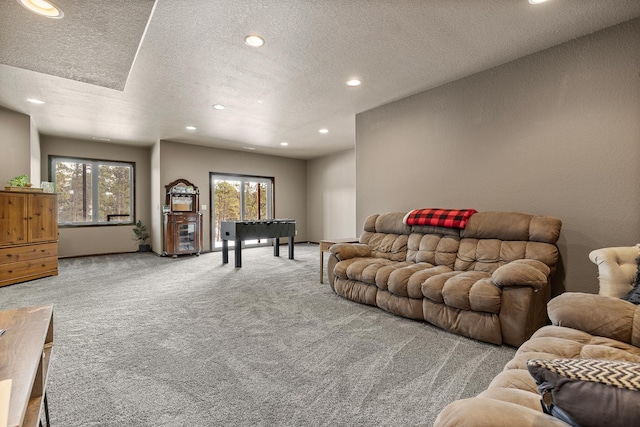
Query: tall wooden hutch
x,y
28,235
182,219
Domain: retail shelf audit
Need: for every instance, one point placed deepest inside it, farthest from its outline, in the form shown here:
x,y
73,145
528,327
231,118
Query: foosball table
x,y
239,231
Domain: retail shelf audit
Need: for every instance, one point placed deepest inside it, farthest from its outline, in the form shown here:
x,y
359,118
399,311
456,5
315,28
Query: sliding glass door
x,y
240,197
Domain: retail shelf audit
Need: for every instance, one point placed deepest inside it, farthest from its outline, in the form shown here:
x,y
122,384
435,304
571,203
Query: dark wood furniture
x,y
261,229
28,235
25,353
182,219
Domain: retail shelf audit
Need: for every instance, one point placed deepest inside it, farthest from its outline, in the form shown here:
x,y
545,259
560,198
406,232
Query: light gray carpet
x,y
142,340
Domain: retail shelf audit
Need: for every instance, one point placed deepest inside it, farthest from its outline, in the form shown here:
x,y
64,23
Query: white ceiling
x,y
192,55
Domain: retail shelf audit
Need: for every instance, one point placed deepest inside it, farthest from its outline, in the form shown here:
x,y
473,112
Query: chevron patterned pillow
x,y
589,392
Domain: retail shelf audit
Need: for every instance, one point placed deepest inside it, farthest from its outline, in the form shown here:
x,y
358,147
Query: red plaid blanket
x,y
452,218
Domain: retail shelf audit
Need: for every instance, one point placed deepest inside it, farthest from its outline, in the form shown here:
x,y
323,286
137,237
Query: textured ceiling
x,y
192,55
96,42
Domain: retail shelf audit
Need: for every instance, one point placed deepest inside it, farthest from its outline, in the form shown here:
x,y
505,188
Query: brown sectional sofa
x,y
584,326
489,281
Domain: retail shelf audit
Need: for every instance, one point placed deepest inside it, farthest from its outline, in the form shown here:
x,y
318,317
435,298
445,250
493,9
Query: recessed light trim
x,y
43,8
35,101
354,82
218,106
253,40
323,130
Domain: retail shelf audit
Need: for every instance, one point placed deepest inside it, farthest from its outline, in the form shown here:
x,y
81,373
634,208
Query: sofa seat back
x,y
389,238
493,239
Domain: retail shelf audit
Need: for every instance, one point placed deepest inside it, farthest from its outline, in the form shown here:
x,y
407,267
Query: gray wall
x,y
34,153
194,163
74,241
157,199
331,196
15,142
555,133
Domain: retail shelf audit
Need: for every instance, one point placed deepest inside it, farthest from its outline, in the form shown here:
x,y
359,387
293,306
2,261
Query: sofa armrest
x,y
598,315
483,412
616,269
522,272
344,251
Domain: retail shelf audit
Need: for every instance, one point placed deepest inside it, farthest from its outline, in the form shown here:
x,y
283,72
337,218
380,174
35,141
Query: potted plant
x,y
19,181
141,236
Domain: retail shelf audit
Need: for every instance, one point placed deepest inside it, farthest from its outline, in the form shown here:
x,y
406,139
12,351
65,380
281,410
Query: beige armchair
x,y
616,269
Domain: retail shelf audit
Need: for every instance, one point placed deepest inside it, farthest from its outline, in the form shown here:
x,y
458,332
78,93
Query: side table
x,y
324,247
25,352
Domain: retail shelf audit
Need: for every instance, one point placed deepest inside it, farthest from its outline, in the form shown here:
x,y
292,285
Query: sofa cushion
x,y
589,392
489,412
514,378
569,309
489,254
513,395
513,226
436,249
522,272
492,239
388,223
386,245
344,251
367,270
464,290
610,352
407,281
432,287
557,342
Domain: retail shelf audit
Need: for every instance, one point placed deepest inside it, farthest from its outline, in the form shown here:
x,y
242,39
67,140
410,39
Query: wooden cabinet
x,y
183,233
28,236
182,219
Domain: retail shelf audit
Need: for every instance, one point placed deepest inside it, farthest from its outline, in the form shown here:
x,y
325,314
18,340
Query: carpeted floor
x,y
142,340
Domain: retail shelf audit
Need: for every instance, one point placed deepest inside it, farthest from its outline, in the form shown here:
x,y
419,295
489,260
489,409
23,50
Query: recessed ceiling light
x,y
354,82
43,7
249,148
99,138
537,1
218,106
324,130
284,144
253,40
35,101
190,127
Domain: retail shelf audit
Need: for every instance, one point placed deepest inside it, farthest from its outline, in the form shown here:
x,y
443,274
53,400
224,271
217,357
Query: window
x,y
93,192
240,197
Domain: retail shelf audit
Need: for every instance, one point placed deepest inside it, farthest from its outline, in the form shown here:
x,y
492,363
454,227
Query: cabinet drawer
x,y
28,252
183,218
27,270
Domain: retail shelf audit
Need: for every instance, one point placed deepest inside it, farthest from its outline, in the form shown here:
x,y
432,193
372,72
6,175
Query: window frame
x,y
271,203
95,164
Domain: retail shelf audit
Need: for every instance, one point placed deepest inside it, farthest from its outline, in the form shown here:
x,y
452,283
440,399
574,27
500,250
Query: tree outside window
x,y
93,192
